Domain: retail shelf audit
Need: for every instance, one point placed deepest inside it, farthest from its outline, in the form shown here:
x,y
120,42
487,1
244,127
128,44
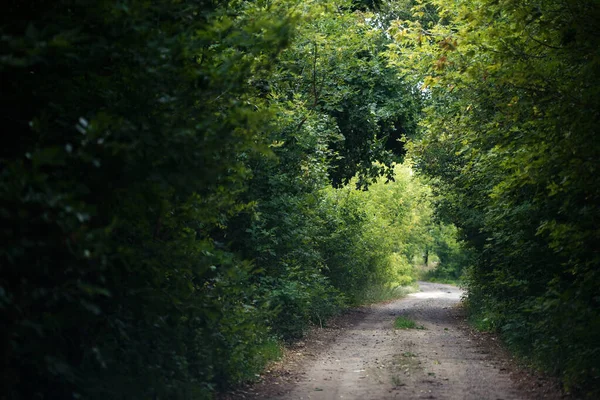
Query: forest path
x,y
365,357
373,360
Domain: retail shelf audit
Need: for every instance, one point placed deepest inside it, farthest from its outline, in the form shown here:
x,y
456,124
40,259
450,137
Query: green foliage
x,y
375,233
334,88
165,210
128,124
300,303
453,255
509,137
336,107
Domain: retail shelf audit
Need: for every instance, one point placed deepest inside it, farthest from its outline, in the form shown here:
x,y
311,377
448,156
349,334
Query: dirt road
x,y
370,359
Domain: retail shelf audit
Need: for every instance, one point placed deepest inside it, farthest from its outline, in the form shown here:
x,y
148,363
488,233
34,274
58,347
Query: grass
x,y
482,324
381,293
406,323
397,381
269,351
483,321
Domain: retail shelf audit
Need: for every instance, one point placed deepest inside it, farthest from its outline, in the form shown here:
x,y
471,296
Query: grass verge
x,y
378,294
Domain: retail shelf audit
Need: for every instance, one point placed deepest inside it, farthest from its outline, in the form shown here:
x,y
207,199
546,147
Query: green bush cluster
x,y
166,209
376,234
453,255
510,141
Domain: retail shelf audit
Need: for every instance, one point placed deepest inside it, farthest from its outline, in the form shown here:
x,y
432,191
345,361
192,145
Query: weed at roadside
x,y
406,323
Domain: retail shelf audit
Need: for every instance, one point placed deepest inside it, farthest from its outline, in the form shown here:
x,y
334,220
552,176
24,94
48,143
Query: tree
x,y
128,126
509,137
162,192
